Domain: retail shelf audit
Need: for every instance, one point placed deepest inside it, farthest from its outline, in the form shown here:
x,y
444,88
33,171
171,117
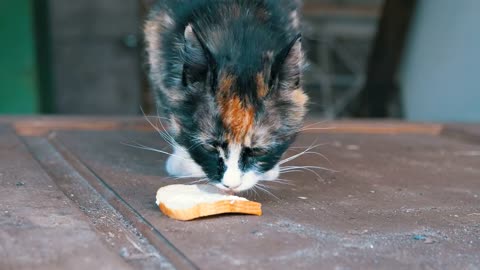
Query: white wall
x,y
440,75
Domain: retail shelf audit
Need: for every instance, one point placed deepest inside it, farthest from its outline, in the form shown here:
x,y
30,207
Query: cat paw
x,y
181,165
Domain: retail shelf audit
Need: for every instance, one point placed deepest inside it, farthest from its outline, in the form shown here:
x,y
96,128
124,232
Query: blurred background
x,y
409,59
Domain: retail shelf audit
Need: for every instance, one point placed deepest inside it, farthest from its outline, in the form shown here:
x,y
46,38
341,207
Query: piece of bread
x,y
187,202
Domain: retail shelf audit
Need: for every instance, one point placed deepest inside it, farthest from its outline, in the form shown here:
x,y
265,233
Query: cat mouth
x,y
228,191
250,180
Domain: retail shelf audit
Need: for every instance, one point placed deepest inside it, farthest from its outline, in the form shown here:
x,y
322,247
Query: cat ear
x,y
287,66
196,56
194,52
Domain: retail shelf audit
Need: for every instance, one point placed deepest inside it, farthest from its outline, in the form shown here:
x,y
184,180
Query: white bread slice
x,y
187,202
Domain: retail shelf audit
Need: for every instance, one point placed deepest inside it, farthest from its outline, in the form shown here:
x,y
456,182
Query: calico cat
x,y
227,75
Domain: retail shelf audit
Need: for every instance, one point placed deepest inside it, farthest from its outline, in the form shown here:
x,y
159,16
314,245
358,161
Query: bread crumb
x,y
353,147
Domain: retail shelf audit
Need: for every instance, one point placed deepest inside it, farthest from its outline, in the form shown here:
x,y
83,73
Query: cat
x,y
227,76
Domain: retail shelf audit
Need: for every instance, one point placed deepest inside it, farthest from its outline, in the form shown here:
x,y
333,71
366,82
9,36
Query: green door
x,y
19,92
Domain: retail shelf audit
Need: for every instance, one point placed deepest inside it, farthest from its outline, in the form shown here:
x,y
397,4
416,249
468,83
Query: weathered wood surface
x,y
40,227
397,196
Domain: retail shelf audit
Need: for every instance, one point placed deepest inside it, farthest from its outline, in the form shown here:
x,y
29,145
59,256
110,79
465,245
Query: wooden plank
x,y
41,127
40,228
168,250
372,127
115,231
464,132
397,201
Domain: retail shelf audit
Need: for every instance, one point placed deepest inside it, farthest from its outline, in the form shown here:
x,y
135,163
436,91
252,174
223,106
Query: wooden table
x,y
404,196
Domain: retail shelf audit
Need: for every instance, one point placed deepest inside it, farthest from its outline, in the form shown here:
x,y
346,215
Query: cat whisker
x,y
188,176
271,187
254,191
320,154
281,182
315,152
298,147
290,171
264,189
319,178
286,168
166,131
314,127
292,157
199,181
177,178
277,179
306,151
317,123
143,147
324,128
165,137
286,181
310,167
195,145
160,117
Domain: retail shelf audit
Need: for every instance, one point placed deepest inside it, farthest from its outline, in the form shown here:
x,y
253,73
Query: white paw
x,y
180,164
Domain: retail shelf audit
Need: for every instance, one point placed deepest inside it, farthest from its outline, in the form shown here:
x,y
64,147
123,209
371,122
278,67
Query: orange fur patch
x,y
262,88
236,116
238,119
226,84
299,97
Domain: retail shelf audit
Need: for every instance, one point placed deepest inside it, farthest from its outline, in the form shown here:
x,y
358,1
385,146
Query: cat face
x,y
237,144
233,142
232,96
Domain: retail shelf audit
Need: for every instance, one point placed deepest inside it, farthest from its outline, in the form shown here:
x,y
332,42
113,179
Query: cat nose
x,y
230,185
232,178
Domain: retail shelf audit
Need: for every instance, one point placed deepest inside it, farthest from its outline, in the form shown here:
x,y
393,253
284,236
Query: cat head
x,y
234,100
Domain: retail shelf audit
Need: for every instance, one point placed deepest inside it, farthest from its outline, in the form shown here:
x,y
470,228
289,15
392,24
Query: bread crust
x,y
215,208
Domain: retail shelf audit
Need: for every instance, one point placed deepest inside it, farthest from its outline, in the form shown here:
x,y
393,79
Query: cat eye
x,y
256,151
209,147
